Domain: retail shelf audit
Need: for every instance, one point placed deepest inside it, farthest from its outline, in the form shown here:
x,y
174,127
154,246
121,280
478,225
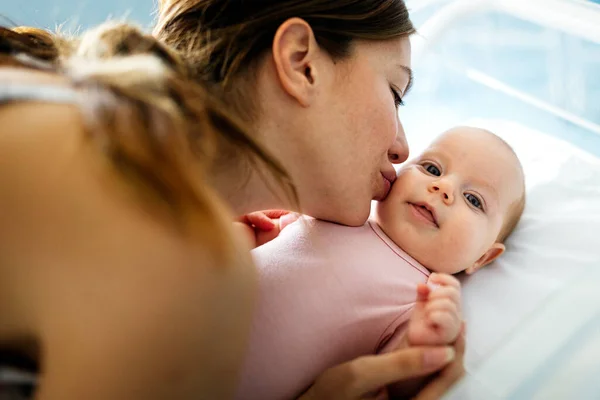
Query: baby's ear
x,y
493,252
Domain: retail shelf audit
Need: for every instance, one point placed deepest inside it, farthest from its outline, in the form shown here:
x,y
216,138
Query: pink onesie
x,y
327,294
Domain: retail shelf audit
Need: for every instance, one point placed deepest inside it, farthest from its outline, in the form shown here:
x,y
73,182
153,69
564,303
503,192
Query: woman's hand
x,y
448,376
367,377
263,226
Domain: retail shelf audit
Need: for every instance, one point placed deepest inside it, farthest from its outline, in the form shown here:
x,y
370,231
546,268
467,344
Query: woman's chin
x,y
345,215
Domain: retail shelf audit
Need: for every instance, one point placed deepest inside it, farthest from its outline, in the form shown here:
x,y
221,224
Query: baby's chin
x,y
422,249
435,260
427,254
443,269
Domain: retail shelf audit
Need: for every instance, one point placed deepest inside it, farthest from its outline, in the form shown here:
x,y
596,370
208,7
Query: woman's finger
x,y
374,372
461,342
440,385
448,376
367,375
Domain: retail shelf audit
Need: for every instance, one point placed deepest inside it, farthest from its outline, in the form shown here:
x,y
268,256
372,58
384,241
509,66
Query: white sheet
x,y
555,354
557,240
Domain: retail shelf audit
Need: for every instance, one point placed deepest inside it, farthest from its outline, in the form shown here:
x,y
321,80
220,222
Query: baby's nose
x,y
444,189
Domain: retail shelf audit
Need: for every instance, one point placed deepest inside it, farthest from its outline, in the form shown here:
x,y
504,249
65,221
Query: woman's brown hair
x,y
139,106
222,39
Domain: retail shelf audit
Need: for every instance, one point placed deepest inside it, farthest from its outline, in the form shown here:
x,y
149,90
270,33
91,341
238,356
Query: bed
x,y
528,71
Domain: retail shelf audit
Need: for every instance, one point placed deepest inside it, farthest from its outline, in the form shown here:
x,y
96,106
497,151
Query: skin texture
x,y
334,124
367,377
469,179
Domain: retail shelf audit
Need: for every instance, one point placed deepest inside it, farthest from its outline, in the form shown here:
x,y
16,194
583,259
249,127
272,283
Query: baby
x,y
331,293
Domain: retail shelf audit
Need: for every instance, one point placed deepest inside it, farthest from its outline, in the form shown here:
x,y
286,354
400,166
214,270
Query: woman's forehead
x,y
395,51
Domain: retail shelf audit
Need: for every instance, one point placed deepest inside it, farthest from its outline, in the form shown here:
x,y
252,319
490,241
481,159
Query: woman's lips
x,y
387,185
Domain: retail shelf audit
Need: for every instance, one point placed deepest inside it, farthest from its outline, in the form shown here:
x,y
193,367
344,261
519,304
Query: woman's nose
x,y
444,188
398,153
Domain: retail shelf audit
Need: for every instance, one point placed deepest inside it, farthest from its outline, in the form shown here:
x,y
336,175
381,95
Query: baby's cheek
x,y
457,251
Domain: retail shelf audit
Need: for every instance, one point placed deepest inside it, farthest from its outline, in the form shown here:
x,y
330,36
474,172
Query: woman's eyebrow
x,y
410,78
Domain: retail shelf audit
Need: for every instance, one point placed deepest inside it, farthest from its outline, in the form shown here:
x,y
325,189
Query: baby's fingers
x,y
258,220
443,280
423,292
449,293
443,305
445,322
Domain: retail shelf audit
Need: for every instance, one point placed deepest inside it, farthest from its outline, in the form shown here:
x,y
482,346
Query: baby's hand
x,y
436,319
263,226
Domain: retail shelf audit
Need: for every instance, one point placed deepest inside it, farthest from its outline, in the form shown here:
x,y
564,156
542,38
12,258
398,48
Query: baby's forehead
x,y
466,143
467,136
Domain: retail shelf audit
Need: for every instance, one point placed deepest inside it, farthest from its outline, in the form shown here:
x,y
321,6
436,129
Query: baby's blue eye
x,y
432,169
475,202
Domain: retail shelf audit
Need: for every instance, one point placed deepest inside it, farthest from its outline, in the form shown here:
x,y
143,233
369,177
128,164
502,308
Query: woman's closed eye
x,y
474,201
397,98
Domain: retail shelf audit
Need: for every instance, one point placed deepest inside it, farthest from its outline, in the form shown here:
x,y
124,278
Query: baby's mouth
x,y
425,213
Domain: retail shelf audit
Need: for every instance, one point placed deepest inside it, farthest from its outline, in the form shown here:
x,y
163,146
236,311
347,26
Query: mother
x,y
320,82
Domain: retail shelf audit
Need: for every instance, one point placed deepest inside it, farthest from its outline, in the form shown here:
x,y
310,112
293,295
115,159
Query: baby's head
x,y
452,207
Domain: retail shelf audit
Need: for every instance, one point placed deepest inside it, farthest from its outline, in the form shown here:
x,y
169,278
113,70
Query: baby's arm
x,y
436,320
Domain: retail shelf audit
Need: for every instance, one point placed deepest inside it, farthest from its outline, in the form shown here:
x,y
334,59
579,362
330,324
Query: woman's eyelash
x,y
397,99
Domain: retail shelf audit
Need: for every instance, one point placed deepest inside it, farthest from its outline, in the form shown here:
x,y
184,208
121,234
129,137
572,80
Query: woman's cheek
x,y
392,125
382,112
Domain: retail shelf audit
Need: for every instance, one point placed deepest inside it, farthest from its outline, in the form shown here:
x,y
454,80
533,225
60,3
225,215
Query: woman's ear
x,y
493,252
295,51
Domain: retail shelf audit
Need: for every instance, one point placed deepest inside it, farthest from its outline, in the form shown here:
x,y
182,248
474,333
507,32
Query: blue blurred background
x,y
557,68
73,14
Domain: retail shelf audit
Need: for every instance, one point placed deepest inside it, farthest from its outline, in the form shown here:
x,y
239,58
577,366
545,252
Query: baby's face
x,y
447,207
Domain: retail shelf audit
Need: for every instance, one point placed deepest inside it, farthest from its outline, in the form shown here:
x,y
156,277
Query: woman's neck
x,y
247,186
245,189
